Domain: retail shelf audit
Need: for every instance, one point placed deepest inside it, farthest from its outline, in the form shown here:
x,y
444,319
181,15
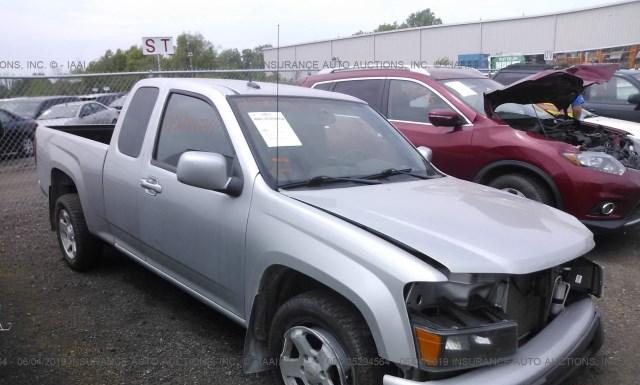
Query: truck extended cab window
x,y
190,124
136,120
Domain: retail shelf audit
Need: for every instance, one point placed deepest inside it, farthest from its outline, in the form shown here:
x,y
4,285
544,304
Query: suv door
x,y
195,235
408,106
610,99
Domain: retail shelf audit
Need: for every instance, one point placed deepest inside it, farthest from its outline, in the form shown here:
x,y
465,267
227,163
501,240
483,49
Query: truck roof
x,y
229,87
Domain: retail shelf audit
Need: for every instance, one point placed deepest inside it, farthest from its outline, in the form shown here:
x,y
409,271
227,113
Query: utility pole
x,y
190,56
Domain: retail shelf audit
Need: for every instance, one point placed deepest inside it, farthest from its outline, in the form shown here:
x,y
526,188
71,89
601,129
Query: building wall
x,y
608,26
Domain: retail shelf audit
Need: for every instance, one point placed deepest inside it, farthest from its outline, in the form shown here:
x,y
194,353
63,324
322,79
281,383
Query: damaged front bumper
x,y
548,358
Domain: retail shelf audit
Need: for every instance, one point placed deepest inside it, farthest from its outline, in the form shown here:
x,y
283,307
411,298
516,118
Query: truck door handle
x,y
150,185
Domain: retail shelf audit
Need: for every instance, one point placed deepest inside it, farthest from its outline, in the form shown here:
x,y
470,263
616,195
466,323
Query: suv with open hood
x,y
498,136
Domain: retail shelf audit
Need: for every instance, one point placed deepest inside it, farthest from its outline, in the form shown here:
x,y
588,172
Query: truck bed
x,y
79,153
99,132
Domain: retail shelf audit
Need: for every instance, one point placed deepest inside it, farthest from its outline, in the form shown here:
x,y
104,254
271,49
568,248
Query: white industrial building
x,y
608,33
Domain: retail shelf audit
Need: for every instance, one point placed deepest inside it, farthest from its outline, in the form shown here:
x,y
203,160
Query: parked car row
x,y
309,219
498,136
618,98
16,134
19,117
77,110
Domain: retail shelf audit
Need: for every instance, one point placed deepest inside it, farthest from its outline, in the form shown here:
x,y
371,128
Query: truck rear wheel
x,y
524,186
318,338
79,247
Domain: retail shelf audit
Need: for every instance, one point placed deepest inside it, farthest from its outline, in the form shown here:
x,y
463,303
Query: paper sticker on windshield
x,y
275,129
461,88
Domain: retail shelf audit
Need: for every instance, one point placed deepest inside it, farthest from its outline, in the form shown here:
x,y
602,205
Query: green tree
x,y
417,19
230,59
192,51
387,27
421,19
443,61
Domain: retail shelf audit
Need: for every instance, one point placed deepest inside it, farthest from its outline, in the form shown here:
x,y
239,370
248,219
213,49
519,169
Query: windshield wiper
x,y
392,171
323,179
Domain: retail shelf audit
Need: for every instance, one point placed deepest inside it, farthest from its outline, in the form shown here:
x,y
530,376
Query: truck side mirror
x,y
634,99
426,152
209,171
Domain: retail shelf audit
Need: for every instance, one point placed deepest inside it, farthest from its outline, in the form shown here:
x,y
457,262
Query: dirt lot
x,y
121,324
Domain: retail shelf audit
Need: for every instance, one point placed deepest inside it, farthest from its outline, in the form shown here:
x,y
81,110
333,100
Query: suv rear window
x,y
323,86
369,90
136,121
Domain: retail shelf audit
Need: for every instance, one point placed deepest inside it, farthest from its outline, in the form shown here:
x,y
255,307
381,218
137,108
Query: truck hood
x,y
466,227
559,87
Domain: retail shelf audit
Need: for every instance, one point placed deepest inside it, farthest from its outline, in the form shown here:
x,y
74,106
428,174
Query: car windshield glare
x,y
472,90
61,111
296,139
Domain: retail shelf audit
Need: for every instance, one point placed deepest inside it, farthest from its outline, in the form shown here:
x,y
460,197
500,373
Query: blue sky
x,y
84,29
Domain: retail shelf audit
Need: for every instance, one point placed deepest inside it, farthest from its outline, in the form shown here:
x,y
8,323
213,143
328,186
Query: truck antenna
x,y
277,106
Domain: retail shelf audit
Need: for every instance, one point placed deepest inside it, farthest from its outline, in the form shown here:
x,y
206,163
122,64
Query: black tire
x,y
528,186
26,147
87,247
327,312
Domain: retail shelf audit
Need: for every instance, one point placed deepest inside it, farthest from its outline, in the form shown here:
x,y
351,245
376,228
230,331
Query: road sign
x,y
157,46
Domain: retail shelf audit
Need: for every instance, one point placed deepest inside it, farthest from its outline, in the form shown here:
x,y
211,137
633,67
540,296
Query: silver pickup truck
x,y
308,219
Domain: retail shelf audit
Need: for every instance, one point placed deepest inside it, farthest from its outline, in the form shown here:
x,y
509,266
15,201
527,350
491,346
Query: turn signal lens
x,y
430,346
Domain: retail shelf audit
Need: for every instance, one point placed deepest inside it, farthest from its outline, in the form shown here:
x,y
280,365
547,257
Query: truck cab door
x,y
194,234
123,167
408,107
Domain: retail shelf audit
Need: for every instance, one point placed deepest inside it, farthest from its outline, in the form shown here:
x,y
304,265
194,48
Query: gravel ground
x,y
120,324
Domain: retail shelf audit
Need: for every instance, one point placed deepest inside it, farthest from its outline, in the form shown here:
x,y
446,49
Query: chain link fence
x,y
26,102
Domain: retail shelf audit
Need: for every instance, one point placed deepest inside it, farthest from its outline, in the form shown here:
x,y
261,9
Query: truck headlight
x,y
596,160
457,327
442,349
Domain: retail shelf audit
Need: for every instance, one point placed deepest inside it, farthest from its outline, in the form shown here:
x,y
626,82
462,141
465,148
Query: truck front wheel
x,y
79,247
318,338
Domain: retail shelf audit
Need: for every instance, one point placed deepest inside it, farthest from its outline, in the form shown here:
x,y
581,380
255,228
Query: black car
x,y
32,107
618,98
514,72
16,134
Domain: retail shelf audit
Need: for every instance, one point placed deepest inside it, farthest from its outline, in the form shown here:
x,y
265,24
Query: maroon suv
x,y
500,137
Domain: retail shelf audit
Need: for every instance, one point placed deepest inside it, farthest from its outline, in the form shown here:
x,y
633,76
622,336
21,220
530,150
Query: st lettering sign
x,y
157,46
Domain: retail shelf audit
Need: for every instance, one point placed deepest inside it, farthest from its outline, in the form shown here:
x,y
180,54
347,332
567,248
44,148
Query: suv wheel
x,y
524,186
79,247
320,339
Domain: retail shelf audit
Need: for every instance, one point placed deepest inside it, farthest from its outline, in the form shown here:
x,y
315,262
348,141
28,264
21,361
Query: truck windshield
x,y
299,139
